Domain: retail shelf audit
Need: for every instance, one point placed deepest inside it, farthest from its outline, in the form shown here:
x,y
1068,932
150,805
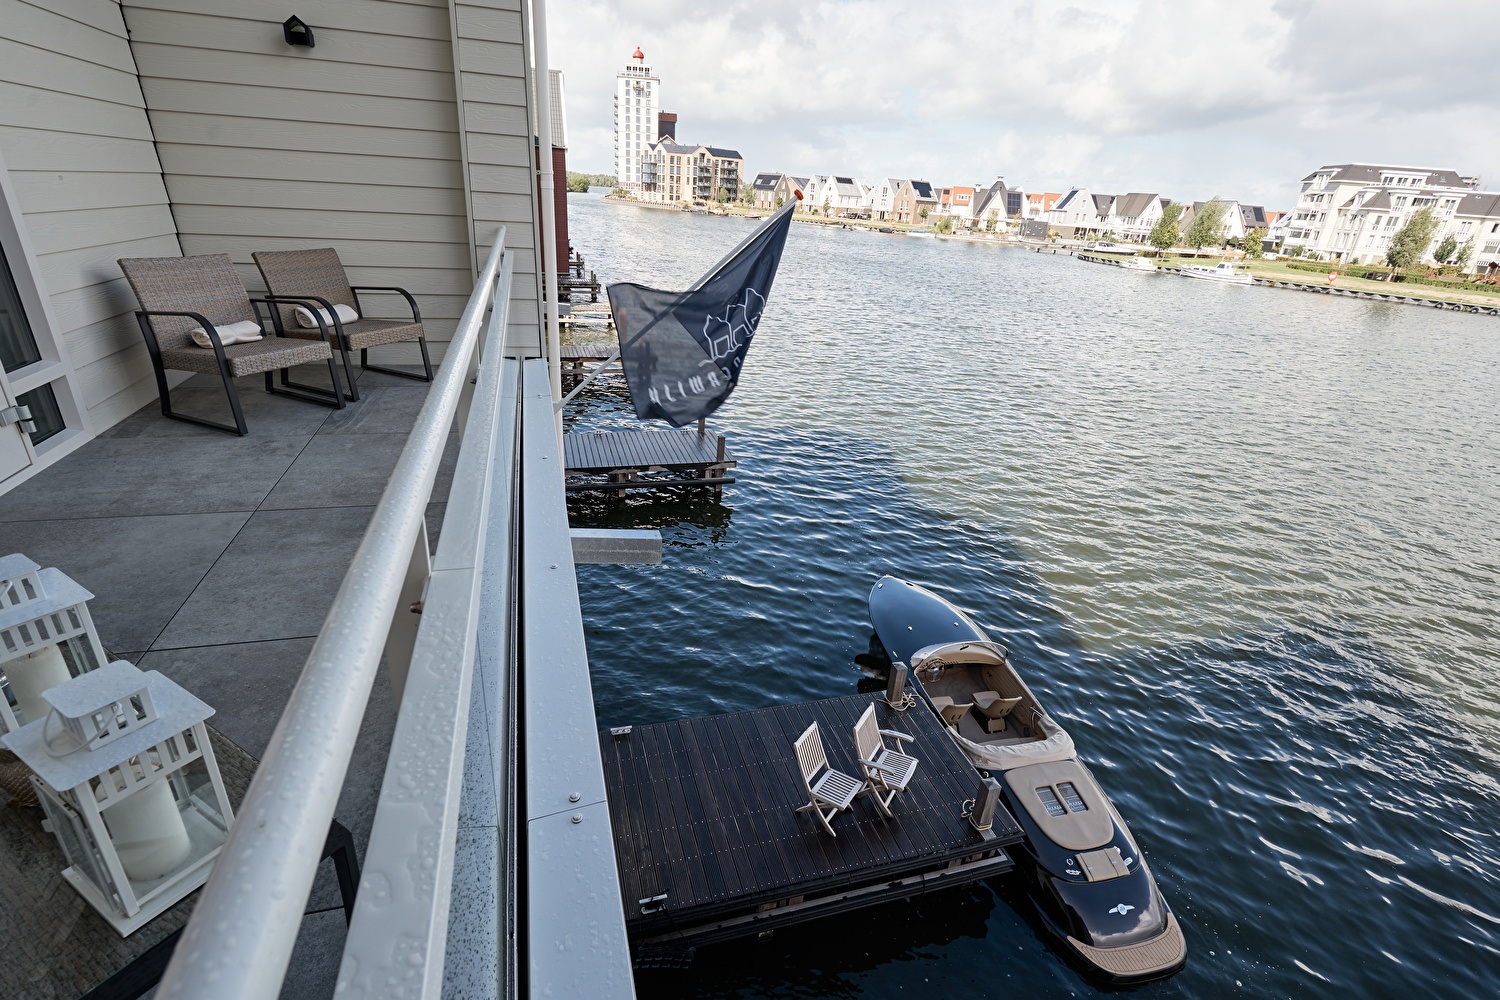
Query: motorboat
x,y
1138,264
1224,271
1080,866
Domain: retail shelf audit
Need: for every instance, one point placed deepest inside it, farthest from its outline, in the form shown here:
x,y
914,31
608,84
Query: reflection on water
x,y
1242,541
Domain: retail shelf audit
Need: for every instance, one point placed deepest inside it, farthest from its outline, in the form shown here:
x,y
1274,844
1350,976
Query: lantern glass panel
x,y
78,652
197,803
76,843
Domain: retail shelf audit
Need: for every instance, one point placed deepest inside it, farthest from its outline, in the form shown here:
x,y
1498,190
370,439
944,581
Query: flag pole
x,y
548,206
614,355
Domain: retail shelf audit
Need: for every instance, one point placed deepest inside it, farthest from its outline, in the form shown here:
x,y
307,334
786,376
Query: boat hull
x,y
1117,926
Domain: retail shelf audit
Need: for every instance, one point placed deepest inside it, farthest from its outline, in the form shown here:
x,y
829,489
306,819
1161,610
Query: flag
x,y
682,351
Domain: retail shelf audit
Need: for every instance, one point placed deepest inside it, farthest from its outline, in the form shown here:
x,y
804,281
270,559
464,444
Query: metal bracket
x,y
18,415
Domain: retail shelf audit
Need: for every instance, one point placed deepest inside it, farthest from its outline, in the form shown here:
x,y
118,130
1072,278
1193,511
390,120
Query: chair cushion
x,y
264,355
370,332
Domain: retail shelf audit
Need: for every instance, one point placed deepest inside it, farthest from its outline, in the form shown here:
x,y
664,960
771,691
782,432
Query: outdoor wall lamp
x,y
127,778
297,32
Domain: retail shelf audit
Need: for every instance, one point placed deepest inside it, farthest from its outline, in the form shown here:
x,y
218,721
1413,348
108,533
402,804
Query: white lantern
x,y
125,773
46,637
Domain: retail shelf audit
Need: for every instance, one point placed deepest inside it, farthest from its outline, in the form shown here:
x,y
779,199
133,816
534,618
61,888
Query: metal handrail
x,y
239,940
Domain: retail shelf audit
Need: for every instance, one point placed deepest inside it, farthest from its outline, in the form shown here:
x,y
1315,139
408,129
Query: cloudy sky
x,y
1189,98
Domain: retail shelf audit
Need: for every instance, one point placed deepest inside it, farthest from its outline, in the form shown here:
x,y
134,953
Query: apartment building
x,y
1349,211
637,105
674,174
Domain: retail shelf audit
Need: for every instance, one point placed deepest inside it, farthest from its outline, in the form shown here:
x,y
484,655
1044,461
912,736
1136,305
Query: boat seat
x,y
951,711
993,709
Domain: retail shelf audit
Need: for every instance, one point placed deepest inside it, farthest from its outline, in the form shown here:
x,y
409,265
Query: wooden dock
x,y
710,847
633,460
576,359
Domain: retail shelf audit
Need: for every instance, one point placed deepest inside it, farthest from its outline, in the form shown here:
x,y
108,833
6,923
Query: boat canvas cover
x,y
1054,743
682,351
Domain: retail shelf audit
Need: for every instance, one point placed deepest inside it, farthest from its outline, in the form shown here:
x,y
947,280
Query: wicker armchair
x,y
319,275
178,294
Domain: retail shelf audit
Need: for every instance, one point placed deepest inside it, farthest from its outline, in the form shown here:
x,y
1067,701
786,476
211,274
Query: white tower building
x,y
637,103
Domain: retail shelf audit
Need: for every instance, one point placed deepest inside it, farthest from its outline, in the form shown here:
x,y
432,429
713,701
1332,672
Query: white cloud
x,y
1188,99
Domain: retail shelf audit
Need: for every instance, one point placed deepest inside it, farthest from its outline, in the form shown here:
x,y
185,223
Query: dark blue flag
x,y
682,351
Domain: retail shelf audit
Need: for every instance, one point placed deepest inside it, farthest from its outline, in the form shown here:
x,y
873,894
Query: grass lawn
x,y
1279,270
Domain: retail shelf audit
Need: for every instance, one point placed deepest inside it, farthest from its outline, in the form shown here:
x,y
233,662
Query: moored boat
x,y
1082,869
1223,271
1139,264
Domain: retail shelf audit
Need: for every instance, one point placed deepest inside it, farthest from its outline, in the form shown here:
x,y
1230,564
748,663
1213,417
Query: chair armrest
x,y
312,303
416,314
208,328
893,734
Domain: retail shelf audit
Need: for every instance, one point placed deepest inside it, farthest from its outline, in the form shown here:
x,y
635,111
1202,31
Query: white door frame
x,y
55,367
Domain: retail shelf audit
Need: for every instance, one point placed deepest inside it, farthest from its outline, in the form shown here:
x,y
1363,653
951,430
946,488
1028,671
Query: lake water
x,y
1244,542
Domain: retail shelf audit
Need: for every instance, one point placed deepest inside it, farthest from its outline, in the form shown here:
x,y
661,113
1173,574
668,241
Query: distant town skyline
x,y
1187,100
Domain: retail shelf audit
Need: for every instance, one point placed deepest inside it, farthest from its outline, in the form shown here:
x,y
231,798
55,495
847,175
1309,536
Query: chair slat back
x,y
867,741
304,272
206,284
810,756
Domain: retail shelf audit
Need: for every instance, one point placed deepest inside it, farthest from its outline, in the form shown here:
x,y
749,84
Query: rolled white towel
x,y
229,333
305,316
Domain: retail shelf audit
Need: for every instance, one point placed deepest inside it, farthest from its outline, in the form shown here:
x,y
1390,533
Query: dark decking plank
x,y
755,856
745,756
714,809
688,883
686,790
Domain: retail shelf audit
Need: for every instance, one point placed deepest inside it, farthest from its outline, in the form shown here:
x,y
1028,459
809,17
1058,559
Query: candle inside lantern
x,y
147,831
32,674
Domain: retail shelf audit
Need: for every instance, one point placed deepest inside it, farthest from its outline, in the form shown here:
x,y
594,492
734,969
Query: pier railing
x,y
468,791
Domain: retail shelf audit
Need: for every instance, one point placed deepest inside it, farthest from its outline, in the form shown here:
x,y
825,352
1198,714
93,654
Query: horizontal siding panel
x,y
370,16
101,14
101,339
231,34
490,24
104,378
28,107
63,191
55,231
123,403
422,282
500,180
501,150
33,149
53,71
316,195
496,58
281,103
365,253
320,225
499,119
70,269
171,62
62,35
81,307
486,88
511,209
218,161
225,130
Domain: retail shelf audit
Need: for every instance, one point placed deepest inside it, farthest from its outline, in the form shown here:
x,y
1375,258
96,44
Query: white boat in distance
x,y
1139,264
1225,271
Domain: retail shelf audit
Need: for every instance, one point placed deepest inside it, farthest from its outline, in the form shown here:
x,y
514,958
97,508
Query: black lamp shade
x,y
297,32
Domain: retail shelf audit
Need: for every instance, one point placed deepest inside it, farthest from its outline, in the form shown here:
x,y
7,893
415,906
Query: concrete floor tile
x,y
266,416
112,477
350,469
314,969
275,582
141,570
380,410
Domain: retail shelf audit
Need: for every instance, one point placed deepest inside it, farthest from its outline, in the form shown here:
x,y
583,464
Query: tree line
x,y
578,183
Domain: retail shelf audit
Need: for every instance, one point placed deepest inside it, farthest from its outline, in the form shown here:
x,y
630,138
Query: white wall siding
x,y
352,144
78,145
490,36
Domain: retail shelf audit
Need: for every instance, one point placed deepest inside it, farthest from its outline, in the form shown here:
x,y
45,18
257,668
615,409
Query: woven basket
x,y
15,778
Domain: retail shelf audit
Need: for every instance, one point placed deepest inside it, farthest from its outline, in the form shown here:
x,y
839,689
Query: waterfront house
x,y
763,190
845,196
913,202
881,198
957,203
1075,215
1132,216
813,193
787,188
1038,205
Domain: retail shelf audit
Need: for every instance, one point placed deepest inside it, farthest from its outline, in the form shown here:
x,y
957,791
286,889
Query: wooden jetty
x,y
709,845
576,357
632,460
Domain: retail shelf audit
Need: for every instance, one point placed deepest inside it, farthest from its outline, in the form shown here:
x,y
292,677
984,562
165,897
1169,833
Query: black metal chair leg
x,y
364,363
234,402
340,847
